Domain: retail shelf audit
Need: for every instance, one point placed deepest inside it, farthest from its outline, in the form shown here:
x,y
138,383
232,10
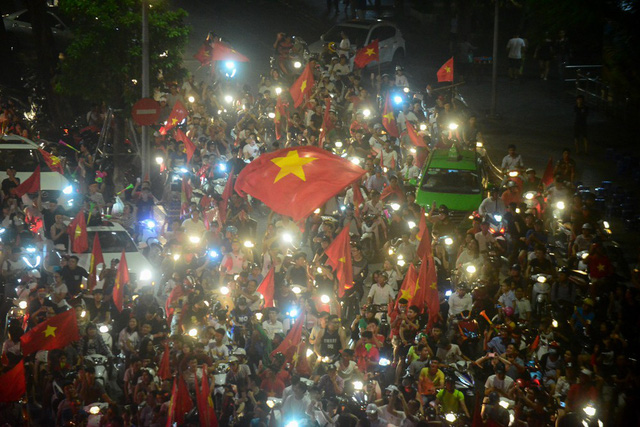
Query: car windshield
x,y
21,159
113,242
357,36
451,181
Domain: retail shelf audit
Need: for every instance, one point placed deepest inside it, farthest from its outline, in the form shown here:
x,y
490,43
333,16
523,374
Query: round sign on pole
x,y
145,112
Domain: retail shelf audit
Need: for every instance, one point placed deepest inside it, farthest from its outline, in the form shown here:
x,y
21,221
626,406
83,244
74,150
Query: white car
x,y
23,155
19,29
361,33
113,238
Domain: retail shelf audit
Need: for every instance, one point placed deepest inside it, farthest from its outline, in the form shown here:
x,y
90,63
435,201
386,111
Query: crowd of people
x,y
566,358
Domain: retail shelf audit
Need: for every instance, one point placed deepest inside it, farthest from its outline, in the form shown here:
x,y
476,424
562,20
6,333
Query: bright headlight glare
x,y
401,263
317,211
278,90
366,112
248,244
560,205
338,144
297,64
272,115
287,237
411,224
176,257
504,404
104,329
357,385
395,206
83,313
355,161
94,410
259,316
224,290
589,410
67,190
451,418
194,239
471,269
453,126
605,224
145,275
529,195
296,290
271,403
448,241
192,99
498,217
541,279
554,323
193,332
228,99
23,304
325,299
159,160
423,126
513,174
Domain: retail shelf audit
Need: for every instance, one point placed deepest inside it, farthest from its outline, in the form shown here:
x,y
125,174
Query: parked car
x,y
19,30
361,33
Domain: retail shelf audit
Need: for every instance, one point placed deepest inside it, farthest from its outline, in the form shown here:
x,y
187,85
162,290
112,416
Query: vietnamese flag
x,y
367,54
302,87
280,113
178,114
224,52
427,290
415,137
445,73
204,54
30,185
176,293
55,332
292,339
358,199
407,289
52,161
226,195
266,288
96,258
180,402
206,411
424,235
547,177
295,181
122,278
14,383
339,254
164,371
389,120
77,231
189,146
326,123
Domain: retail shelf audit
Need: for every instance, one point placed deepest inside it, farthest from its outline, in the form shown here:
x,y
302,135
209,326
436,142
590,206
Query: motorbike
x,y
100,362
469,333
95,410
541,294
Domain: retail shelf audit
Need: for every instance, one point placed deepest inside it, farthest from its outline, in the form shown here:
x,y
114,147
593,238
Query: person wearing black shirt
x,y
49,215
98,310
41,302
72,275
10,182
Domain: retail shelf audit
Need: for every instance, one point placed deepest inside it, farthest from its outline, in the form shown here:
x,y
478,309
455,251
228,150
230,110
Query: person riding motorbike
x,y
450,400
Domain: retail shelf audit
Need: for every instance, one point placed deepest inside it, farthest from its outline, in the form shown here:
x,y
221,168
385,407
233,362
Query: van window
x,y
22,160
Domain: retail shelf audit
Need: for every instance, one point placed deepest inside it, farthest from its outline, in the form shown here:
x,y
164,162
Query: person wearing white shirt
x,y
251,150
344,48
409,171
193,226
484,237
381,292
295,405
515,46
492,204
401,79
388,157
272,325
512,161
459,302
378,139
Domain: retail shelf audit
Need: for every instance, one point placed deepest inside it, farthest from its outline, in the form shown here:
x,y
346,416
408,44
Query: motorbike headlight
x,y
224,290
159,160
590,410
357,385
325,299
271,403
529,195
309,352
230,65
2,230
397,99
541,279
272,115
297,64
292,424
22,304
191,99
479,144
296,290
401,263
103,329
259,316
504,404
317,211
390,251
145,275
355,161
293,312
366,112
194,239
31,249
395,206
228,99
453,126
554,323
560,205
411,224
448,241
605,224
176,257
412,150
193,332
471,269
448,293
83,313
287,237
584,255
94,410
450,418
338,144
423,126
498,217
68,189
278,90
248,244
384,362
213,254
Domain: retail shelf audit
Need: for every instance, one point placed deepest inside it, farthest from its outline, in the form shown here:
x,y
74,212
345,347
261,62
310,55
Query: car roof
x,y
15,141
440,158
367,23
110,226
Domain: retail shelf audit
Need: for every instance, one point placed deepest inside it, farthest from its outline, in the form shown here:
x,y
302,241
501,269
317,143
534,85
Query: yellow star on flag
x,y
209,402
389,116
370,52
78,231
303,86
174,121
600,267
343,260
50,331
447,69
434,285
292,164
406,294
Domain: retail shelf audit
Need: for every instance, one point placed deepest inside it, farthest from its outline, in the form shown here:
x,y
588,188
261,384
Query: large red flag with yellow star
x,y
14,384
96,258
224,52
302,87
178,114
53,333
204,402
295,181
389,120
367,54
426,295
122,278
52,161
77,231
204,54
339,254
445,73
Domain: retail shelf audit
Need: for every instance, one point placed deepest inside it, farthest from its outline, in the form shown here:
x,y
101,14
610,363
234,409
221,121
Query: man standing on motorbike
x,y
331,340
451,400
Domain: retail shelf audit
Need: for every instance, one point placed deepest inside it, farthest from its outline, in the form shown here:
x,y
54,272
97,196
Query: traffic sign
x,y
145,112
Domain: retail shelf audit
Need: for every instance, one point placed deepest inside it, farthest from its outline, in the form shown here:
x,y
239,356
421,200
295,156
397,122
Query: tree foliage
x,y
103,63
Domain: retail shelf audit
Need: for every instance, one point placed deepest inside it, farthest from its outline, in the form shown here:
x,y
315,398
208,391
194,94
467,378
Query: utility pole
x,y
494,73
144,143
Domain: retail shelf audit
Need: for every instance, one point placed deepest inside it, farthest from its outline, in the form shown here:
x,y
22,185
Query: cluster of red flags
x,y
295,181
206,411
367,54
339,257
180,402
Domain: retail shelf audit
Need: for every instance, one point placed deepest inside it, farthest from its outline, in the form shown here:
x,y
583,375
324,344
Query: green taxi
x,y
455,178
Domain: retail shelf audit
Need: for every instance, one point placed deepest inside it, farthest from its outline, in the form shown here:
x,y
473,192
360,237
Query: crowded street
x,y
320,223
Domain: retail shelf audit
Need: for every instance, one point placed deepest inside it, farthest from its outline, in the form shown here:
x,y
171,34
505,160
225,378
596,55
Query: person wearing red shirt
x,y
271,384
367,354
